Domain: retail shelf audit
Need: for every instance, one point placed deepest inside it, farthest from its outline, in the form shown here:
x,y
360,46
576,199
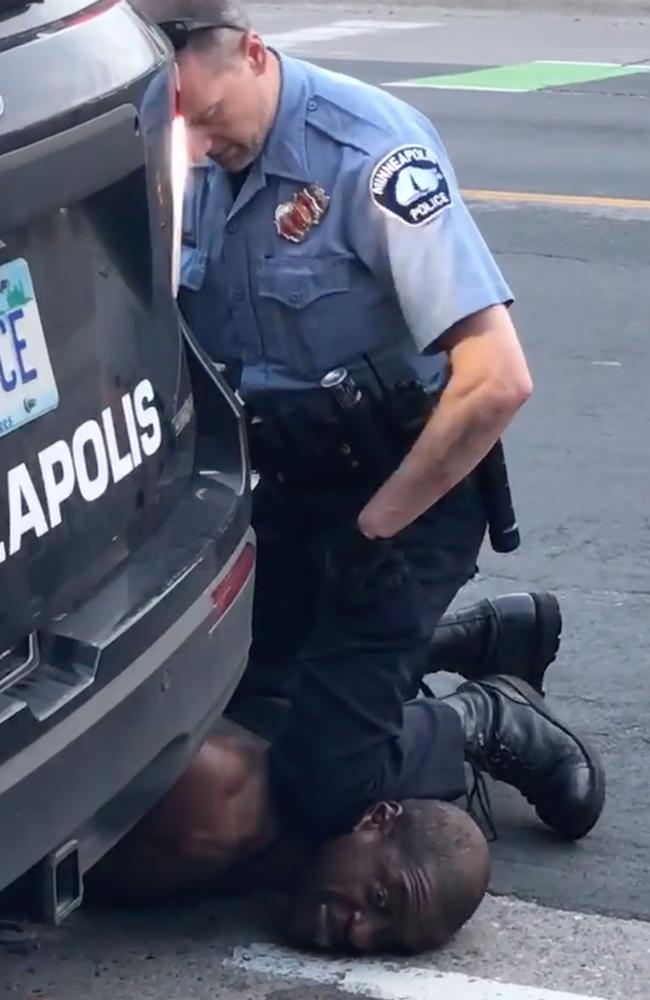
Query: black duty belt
x,y
361,446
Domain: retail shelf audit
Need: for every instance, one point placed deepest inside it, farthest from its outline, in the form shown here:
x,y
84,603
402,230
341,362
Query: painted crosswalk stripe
x,y
340,29
385,980
524,78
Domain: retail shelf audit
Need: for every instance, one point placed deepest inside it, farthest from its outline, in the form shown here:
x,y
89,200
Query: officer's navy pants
x,y
354,735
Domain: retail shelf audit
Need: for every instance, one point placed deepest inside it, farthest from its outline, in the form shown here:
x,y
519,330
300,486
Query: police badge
x,y
294,219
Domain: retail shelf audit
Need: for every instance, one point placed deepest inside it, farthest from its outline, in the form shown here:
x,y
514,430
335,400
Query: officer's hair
x,y
446,842
227,12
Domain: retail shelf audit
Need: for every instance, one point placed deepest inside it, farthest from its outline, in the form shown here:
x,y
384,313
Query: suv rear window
x,y
18,16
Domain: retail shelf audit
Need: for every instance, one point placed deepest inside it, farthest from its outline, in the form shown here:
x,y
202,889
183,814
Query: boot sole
x,y
549,631
596,769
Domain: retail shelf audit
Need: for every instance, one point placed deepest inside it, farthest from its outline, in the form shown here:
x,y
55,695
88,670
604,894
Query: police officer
x,y
325,230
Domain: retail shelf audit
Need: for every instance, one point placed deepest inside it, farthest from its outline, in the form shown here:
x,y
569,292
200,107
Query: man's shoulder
x,y
361,116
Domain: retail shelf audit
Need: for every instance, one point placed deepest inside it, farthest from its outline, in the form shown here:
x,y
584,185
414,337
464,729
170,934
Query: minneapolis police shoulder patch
x,y
409,183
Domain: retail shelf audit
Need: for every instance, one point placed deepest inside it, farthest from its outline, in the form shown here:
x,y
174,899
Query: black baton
x,y
494,486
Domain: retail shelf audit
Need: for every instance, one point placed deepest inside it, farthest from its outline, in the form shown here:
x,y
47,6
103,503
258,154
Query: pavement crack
x,y
586,700
539,253
565,588
569,92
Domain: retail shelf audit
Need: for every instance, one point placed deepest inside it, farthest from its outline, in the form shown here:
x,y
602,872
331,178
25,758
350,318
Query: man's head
x,y
406,879
229,81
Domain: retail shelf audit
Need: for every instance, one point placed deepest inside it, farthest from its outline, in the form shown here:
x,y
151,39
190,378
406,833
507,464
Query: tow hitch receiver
x,y
61,883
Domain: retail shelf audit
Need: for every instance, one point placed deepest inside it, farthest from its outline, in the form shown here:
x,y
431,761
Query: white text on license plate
x,y
27,385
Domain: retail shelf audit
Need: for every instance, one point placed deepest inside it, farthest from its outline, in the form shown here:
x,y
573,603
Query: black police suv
x,y
126,556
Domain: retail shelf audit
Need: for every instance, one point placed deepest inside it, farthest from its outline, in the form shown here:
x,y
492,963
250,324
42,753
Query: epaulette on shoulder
x,y
362,117
351,112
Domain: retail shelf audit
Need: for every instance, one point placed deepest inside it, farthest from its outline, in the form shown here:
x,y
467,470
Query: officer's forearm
x,y
489,383
459,435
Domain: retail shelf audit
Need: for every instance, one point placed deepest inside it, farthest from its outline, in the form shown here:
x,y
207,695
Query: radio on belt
x,y
372,434
343,388
363,424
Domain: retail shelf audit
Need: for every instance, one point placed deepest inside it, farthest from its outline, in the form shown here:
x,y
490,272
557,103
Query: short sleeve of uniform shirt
x,y
410,226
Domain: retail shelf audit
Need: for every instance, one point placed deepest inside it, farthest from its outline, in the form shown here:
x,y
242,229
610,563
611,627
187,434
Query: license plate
x,y
27,385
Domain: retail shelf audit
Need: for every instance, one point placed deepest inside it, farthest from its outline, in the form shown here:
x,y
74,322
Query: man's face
x,y
360,896
226,102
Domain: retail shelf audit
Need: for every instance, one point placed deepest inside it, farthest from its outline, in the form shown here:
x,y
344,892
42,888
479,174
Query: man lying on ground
x,y
408,870
406,878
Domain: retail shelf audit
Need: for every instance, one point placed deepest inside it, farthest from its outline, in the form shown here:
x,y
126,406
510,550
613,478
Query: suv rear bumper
x,y
89,777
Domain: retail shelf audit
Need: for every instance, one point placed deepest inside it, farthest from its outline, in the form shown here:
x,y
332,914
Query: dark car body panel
x,y
124,493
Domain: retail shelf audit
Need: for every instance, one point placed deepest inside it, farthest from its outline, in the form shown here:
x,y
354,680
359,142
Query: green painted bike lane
x,y
525,78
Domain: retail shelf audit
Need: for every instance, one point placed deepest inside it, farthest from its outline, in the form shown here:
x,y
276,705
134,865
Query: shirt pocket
x,y
193,267
203,222
302,304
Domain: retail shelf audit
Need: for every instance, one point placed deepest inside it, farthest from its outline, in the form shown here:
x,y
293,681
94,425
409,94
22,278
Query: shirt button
x,y
231,227
312,105
295,297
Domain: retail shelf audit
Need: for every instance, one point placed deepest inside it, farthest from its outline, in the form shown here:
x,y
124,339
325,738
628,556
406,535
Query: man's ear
x,y
256,52
381,817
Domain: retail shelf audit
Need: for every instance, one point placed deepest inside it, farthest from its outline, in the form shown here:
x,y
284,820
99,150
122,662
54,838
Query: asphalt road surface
x,y
559,181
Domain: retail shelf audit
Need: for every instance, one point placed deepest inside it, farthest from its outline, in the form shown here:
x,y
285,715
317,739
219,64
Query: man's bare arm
x,y
489,383
218,814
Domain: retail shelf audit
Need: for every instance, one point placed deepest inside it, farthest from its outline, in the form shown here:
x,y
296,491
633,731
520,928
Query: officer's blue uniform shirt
x,y
393,263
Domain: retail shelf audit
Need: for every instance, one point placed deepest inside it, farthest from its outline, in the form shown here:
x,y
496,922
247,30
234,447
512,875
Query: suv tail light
x,y
225,594
178,168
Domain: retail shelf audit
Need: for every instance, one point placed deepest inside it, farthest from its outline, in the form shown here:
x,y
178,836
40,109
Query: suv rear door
x,y
93,380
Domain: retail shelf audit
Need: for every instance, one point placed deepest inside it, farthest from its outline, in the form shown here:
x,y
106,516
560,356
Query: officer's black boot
x,y
511,734
517,634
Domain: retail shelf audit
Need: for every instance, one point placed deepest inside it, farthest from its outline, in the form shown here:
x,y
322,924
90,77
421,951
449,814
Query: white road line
x,y
384,980
583,62
340,29
574,62
418,85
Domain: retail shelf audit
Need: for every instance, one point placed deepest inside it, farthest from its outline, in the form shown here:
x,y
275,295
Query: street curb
x,y
615,9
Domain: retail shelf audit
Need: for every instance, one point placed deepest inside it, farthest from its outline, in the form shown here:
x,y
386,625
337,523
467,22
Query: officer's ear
x,y
255,52
381,818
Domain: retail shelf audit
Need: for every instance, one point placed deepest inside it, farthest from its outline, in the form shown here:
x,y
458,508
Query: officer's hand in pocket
x,y
364,571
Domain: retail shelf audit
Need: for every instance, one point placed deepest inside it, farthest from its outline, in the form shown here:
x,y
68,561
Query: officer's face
x,y
227,101
363,895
